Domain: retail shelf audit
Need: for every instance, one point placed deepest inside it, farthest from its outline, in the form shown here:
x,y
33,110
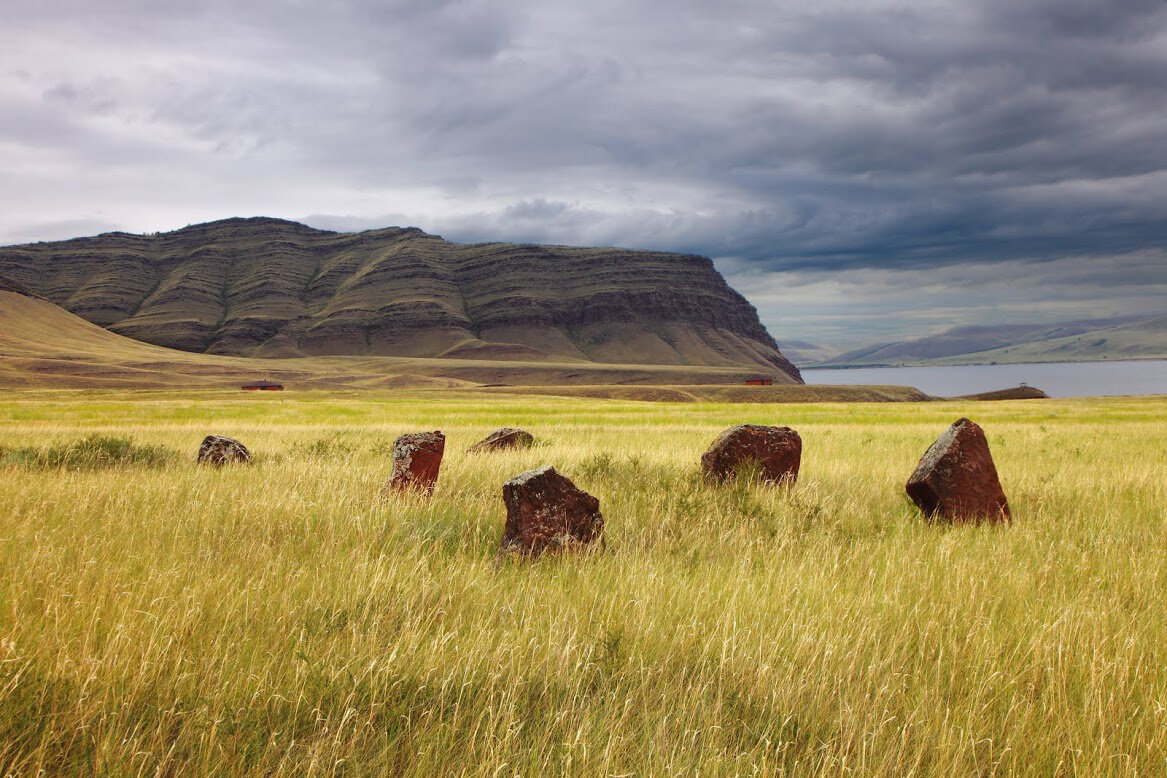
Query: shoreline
x,y
885,366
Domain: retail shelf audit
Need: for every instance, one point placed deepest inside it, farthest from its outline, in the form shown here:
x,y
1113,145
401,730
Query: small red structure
x,y
263,386
759,381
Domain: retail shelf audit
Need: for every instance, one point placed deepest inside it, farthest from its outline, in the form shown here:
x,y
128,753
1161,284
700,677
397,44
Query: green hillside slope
x,y
43,345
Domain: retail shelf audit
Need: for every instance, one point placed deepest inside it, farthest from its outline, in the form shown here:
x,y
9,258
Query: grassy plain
x,y
161,618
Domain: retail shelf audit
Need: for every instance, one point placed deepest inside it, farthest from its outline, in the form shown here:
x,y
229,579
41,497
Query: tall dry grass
x,y
285,619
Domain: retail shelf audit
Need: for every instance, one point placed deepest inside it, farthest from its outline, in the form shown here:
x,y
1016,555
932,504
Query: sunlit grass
x,y
286,618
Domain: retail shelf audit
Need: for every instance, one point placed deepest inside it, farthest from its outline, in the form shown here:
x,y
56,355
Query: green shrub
x,y
93,452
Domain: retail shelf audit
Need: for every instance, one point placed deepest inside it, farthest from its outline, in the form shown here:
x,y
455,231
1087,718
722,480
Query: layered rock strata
x,y
268,287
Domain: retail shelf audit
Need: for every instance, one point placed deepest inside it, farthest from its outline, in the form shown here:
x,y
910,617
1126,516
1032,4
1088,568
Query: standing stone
x,y
417,457
776,451
546,512
956,478
507,437
219,450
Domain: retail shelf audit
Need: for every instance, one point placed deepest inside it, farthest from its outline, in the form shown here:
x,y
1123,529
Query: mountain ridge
x,y
259,286
1122,337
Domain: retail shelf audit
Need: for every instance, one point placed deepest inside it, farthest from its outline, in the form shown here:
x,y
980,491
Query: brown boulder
x,y
219,450
956,478
417,457
546,512
777,452
507,437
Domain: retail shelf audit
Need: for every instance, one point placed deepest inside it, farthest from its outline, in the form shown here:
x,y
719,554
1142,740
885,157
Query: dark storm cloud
x,y
874,304
787,138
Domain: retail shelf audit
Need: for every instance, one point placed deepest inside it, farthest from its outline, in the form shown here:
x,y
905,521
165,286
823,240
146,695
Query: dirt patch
x,y
786,393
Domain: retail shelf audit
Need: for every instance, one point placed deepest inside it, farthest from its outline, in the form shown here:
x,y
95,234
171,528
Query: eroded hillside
x,y
274,288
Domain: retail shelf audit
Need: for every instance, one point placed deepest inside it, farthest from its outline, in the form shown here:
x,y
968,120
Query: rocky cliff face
x,y
8,285
267,287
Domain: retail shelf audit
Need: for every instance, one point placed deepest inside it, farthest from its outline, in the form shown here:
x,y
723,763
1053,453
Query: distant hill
x,y
802,352
272,288
1070,341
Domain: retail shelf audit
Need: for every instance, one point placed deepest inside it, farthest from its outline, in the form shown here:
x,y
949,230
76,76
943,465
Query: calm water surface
x,y
1057,379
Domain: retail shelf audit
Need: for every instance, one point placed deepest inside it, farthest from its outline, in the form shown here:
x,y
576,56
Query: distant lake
x,y
1057,379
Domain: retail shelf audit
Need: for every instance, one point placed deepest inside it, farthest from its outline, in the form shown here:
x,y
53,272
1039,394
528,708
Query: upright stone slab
x,y
775,451
417,457
500,439
546,512
956,479
219,450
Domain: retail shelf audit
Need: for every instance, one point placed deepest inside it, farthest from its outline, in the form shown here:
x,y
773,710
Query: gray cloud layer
x,y
831,147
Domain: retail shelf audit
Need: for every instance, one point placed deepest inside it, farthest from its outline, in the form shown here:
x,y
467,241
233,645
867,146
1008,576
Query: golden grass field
x,y
163,618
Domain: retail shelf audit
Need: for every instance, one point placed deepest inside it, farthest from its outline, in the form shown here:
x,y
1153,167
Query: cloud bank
x,y
844,163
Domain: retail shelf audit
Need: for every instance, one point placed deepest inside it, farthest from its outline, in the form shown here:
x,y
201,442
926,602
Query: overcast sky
x,y
859,169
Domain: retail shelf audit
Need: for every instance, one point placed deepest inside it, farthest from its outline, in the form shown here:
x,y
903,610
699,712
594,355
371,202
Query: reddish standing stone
x,y
956,479
417,457
507,437
547,513
219,450
775,451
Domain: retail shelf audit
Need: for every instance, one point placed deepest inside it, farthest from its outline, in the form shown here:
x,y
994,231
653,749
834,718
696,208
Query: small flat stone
x,y
501,439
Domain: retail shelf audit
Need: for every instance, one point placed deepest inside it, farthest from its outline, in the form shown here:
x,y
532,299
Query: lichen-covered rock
x,y
775,451
417,458
546,512
507,437
219,450
956,479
